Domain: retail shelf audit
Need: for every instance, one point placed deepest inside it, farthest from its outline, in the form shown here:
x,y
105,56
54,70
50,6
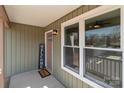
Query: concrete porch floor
x,y
32,79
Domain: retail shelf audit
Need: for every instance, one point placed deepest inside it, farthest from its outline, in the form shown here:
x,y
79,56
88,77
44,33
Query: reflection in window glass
x,y
103,31
105,66
71,58
72,35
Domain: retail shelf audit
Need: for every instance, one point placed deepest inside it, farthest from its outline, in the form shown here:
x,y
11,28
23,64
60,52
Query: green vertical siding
x,y
22,44
64,77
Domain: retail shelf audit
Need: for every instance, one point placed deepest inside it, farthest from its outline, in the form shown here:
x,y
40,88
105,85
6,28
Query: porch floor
x,y
32,79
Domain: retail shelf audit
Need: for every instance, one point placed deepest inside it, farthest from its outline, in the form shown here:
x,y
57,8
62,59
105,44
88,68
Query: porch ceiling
x,y
37,15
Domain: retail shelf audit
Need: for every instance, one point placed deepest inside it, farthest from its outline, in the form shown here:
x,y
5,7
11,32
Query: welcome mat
x,y
44,73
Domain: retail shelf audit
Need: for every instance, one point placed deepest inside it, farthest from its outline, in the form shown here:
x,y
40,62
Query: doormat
x,y
44,73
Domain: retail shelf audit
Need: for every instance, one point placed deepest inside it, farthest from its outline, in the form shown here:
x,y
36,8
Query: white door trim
x,y
46,49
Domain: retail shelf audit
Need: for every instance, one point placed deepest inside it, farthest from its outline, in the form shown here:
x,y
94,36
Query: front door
x,y
48,49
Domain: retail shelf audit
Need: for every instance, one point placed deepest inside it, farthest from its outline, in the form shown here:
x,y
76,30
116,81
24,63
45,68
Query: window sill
x,y
91,83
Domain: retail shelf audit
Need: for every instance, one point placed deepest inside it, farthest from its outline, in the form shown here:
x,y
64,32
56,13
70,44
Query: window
x,y
103,64
92,47
71,47
103,31
72,35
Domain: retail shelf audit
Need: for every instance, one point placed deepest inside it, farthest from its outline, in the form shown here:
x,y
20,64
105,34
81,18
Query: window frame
x,y
63,25
81,20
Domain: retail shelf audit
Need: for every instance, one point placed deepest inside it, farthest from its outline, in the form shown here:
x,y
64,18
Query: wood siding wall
x,y
21,48
64,77
1,53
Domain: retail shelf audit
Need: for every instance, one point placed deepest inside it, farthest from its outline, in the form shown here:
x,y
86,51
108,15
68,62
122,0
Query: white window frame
x,y
68,23
81,20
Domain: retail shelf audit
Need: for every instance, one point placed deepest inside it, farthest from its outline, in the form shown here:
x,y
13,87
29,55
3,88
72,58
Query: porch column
x,y
1,53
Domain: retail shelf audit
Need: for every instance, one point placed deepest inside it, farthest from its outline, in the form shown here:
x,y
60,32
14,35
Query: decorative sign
x,y
41,56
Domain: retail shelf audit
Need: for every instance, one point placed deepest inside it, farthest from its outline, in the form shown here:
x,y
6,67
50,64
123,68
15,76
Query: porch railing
x,y
108,71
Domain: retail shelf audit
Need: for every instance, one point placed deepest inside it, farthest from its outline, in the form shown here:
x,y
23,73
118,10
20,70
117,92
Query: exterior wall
x,y
21,48
1,53
64,77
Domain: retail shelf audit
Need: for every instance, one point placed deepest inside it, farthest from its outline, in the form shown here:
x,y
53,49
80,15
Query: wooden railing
x,y
105,70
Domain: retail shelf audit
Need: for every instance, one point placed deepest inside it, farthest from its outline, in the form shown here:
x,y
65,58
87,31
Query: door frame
x,y
46,49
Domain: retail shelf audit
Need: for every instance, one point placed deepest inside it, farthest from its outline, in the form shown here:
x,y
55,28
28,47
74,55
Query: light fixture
x,y
97,26
55,32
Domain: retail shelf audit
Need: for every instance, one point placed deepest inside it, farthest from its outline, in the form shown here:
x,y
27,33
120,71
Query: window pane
x,y
104,66
71,58
72,35
103,31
